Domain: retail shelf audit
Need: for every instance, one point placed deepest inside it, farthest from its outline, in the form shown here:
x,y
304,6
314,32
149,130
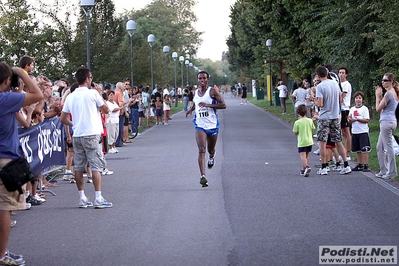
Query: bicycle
x,y
134,131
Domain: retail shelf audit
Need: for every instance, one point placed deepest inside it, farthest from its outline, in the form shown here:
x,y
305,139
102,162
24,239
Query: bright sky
x,y
213,21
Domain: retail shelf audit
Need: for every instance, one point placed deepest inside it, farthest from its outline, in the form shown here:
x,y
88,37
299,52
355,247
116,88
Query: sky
x,y
213,21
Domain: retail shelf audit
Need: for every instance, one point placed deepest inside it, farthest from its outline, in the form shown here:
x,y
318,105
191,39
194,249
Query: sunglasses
x,y
385,80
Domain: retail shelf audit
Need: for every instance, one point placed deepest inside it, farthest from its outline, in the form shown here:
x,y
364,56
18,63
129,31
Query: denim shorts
x,y
88,150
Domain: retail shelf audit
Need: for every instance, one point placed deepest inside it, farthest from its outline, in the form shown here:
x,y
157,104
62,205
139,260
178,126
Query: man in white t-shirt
x,y
84,105
283,93
345,106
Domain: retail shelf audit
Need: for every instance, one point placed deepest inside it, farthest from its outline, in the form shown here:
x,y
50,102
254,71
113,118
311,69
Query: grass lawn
x,y
290,118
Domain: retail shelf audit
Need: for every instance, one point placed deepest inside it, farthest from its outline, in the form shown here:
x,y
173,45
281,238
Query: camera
x,y
14,81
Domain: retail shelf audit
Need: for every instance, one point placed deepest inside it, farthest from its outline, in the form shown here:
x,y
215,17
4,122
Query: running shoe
x,y
203,181
358,168
102,204
322,171
346,170
107,172
84,203
307,171
211,162
18,258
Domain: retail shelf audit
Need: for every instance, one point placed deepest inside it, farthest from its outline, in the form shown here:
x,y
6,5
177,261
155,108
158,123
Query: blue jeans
x,y
134,116
185,100
118,142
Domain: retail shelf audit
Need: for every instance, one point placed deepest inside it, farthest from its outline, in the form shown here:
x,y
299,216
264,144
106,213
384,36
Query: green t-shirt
x,y
304,127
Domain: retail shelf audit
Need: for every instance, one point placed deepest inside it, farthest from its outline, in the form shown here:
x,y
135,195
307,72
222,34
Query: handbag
x,y
15,174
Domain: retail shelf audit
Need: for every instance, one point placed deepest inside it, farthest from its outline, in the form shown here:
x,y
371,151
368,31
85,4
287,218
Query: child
x,y
359,117
166,108
158,110
303,128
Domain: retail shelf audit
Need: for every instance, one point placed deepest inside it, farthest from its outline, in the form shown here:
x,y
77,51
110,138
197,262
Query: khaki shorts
x,y
11,201
88,150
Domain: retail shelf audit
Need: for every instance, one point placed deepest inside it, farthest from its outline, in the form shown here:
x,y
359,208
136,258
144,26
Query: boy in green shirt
x,y
303,128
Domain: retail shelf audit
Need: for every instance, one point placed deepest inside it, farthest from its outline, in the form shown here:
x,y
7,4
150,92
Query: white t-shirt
x,y
300,96
282,91
113,116
346,87
83,105
360,112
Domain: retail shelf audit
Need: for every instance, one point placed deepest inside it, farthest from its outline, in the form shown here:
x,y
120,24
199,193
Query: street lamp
x,y
166,52
181,59
269,45
187,63
151,41
87,6
191,65
174,56
131,28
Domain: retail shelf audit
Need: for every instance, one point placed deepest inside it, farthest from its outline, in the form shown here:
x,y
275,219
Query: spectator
x,y
386,104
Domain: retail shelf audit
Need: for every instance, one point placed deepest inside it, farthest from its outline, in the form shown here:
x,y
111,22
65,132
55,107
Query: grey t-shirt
x,y
329,91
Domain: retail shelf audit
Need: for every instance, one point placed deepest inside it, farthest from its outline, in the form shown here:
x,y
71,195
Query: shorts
x,y
141,114
344,118
329,125
88,150
159,112
361,143
330,145
11,201
209,132
126,122
305,149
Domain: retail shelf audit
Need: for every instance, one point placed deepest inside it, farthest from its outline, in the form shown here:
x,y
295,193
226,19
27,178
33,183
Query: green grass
x,y
290,118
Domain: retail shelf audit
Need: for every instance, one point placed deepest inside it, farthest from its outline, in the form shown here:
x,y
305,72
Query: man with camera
x,y
10,149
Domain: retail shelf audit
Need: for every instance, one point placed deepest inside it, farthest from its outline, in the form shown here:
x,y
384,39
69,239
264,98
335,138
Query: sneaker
x,y
358,168
12,259
72,181
322,171
28,206
89,180
346,170
33,201
366,169
328,168
84,203
211,162
387,177
107,172
116,150
203,181
307,171
379,174
302,173
317,152
13,223
348,158
112,150
102,204
38,198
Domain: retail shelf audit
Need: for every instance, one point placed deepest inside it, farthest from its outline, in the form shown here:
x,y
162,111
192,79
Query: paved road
x,y
257,210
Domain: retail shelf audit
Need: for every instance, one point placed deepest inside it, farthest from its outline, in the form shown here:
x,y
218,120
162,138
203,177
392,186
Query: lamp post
x,y
166,52
269,45
87,6
151,41
174,56
131,28
191,65
181,59
187,63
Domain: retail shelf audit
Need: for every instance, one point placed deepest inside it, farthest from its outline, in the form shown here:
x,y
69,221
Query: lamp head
x,y
166,50
131,27
181,59
151,39
186,62
174,56
269,44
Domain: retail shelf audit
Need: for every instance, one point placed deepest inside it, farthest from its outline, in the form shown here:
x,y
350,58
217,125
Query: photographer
x,y
10,149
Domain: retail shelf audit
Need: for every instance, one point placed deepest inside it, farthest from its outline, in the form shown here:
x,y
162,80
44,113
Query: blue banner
x,y
43,144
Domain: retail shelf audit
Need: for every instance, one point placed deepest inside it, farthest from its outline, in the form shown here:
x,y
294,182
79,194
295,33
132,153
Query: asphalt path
x,y
257,209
